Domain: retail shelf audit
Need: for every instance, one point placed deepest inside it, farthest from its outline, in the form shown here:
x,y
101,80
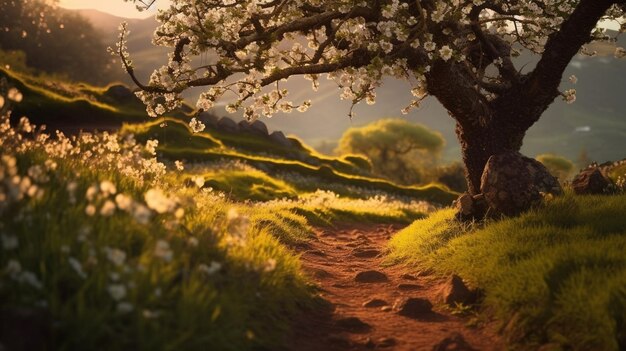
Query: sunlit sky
x,y
115,7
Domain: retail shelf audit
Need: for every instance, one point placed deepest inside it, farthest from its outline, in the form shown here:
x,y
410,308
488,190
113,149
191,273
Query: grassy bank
x,y
554,275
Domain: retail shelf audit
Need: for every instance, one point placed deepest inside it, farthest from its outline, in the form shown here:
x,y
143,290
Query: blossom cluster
x,y
355,43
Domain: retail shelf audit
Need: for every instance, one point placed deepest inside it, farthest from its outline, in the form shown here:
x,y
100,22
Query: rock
x,y
413,307
591,181
321,274
210,120
408,287
375,303
464,205
371,277
455,342
386,308
365,253
512,183
279,138
259,127
470,207
454,291
353,325
227,125
120,93
386,342
407,276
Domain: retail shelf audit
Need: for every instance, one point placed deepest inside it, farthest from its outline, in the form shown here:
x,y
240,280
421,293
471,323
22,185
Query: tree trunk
x,y
478,144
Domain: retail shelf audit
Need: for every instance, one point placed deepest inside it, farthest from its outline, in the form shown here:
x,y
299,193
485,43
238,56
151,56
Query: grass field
x,y
554,275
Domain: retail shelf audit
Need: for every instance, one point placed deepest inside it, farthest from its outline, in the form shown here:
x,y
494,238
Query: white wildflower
x,y
158,201
162,250
210,269
125,307
179,165
117,291
116,256
108,208
78,267
9,242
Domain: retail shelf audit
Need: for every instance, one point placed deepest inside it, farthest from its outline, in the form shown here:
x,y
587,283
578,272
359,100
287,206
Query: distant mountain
x,y
595,123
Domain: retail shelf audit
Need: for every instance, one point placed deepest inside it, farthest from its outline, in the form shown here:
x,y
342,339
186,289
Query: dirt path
x,y
335,259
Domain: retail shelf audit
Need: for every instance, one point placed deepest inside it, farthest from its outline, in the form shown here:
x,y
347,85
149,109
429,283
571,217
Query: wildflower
x,y
90,210
30,278
445,52
151,146
14,95
162,250
91,193
198,181
9,242
141,214
179,165
573,79
213,268
107,188
116,256
156,200
117,291
125,307
192,241
13,268
75,264
108,208
123,202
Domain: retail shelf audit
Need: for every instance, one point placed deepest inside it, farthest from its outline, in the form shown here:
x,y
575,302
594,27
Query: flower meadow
x,y
98,252
102,246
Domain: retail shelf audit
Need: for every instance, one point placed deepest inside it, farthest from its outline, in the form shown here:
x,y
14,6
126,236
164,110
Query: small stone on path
x,y
365,253
386,342
407,276
455,342
455,292
413,307
407,287
375,303
371,277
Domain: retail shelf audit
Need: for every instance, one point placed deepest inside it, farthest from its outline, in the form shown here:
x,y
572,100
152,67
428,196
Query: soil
x,y
334,260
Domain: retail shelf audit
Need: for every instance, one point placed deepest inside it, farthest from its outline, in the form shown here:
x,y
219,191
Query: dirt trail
x,y
334,259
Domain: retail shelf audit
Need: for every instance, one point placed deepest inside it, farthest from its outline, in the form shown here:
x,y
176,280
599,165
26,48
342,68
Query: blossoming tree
x,y
459,51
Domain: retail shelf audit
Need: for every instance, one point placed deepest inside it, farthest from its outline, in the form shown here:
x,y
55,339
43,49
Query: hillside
x,y
277,159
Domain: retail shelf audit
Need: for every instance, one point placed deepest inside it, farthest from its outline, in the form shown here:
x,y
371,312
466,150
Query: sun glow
x,y
114,7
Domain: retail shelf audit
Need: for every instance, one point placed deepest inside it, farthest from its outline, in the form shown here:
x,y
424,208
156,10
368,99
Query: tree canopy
x,y
259,43
397,148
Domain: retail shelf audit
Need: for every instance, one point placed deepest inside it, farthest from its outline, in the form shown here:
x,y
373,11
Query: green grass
x,y
250,185
73,106
176,304
558,272
176,142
